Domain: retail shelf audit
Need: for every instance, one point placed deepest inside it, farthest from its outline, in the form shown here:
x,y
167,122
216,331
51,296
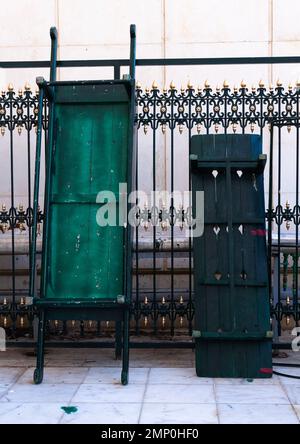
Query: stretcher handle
x,y
132,51
53,36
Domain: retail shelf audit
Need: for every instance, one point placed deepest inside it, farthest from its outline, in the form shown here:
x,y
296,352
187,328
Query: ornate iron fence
x,y
163,262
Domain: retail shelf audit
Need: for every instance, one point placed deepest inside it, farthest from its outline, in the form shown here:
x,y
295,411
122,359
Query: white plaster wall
x,y
165,28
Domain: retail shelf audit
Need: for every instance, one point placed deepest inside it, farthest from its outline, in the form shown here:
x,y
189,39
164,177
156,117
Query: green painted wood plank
x,y
230,263
86,261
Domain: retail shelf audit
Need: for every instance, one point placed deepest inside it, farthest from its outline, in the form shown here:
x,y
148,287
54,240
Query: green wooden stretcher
x,y
86,265
232,313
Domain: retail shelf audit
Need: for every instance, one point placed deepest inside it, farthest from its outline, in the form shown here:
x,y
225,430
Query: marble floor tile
x,y
4,389
9,375
180,393
56,375
109,393
163,388
249,394
176,376
42,393
293,392
166,413
112,375
297,410
288,371
108,413
256,414
243,381
30,413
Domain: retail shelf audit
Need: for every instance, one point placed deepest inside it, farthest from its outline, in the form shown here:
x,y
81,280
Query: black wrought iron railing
x,y
163,259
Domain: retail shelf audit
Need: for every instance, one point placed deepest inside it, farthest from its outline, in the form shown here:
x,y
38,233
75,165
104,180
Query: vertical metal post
x,y
153,211
279,223
36,191
48,156
295,298
27,93
13,209
190,301
270,214
137,282
132,51
117,71
172,213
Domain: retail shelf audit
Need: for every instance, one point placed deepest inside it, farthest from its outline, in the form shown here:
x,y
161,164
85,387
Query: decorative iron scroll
x,y
190,110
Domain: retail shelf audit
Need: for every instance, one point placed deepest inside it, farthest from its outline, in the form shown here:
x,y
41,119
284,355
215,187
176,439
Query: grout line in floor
x,y
144,395
69,402
287,394
154,403
22,370
215,395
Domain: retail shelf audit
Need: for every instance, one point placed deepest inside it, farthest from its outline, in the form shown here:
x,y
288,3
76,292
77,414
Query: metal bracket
x,y
121,299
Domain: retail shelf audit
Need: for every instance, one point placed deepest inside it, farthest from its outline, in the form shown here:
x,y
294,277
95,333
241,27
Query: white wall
x,y
165,28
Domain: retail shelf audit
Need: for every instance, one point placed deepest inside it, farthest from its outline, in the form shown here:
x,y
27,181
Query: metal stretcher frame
x,y
116,308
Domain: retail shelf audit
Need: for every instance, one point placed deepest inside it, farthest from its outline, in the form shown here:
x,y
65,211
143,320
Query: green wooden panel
x,y
230,262
85,261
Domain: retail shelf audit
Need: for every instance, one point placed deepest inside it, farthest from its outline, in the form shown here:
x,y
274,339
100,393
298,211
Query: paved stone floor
x,y
163,389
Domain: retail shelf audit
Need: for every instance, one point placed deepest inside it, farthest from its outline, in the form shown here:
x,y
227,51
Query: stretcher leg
x,y
39,371
118,340
125,366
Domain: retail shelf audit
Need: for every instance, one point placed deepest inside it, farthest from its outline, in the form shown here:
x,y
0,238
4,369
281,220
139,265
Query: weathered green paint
x,y
84,260
70,409
232,317
86,268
